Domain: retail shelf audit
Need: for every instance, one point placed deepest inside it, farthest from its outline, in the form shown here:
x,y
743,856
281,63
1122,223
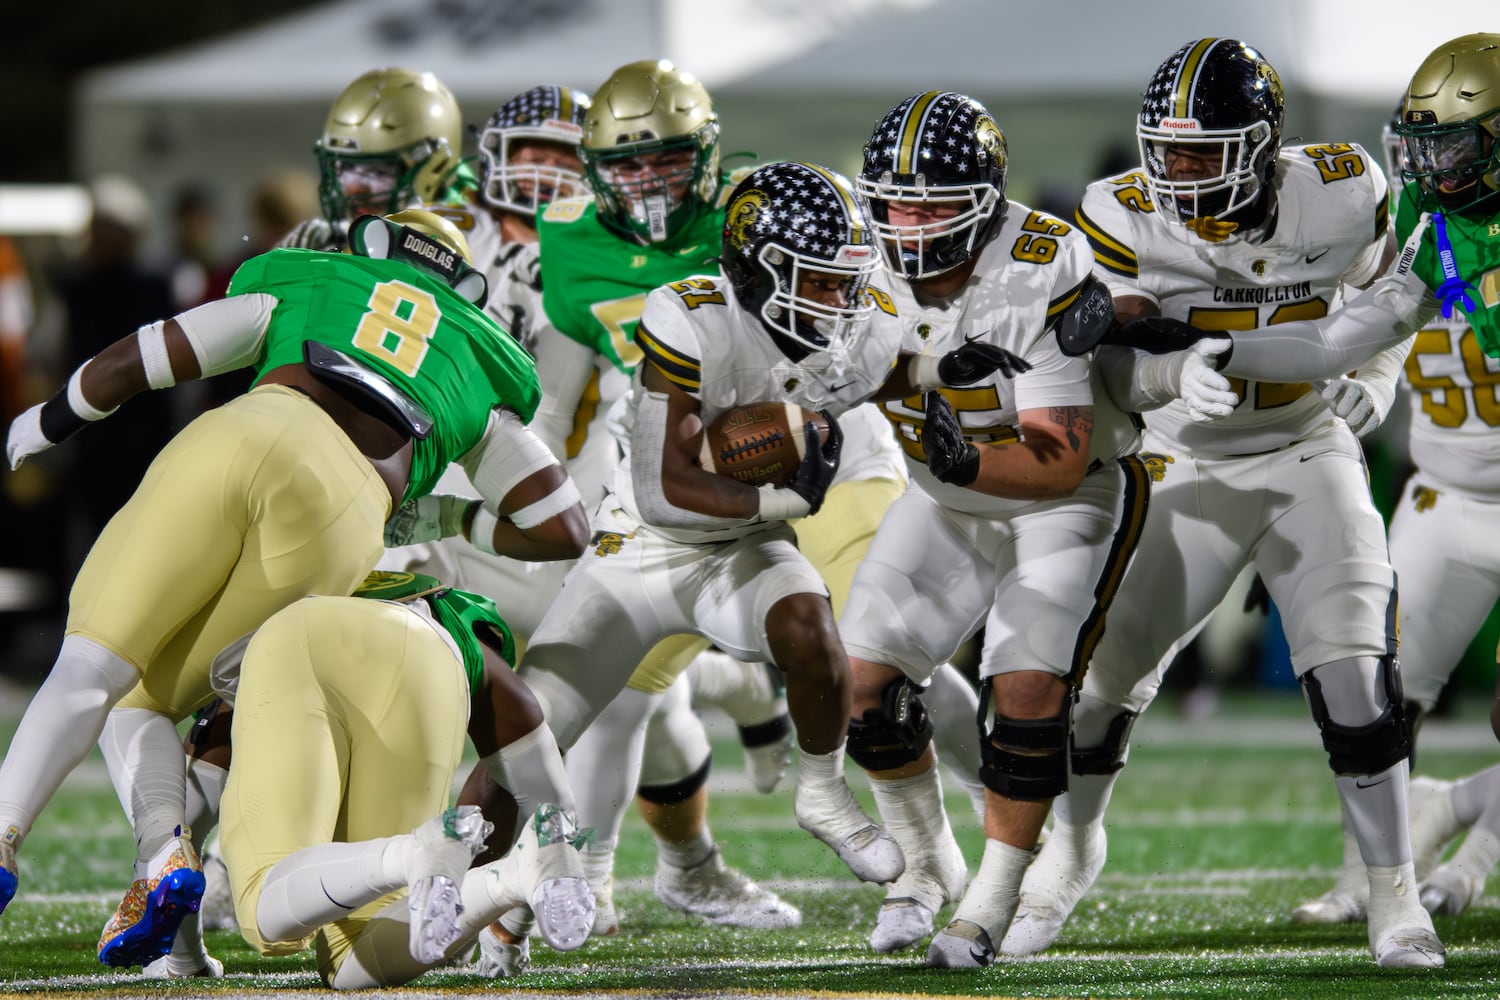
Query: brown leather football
x,y
760,443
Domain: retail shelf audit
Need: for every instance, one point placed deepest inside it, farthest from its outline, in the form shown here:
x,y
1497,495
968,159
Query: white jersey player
x,y
1019,517
680,550
1224,229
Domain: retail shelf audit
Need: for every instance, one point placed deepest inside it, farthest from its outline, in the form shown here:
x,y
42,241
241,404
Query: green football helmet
x,y
651,150
1450,121
394,136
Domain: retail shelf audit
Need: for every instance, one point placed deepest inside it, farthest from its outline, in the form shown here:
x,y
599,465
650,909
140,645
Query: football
x,y
760,443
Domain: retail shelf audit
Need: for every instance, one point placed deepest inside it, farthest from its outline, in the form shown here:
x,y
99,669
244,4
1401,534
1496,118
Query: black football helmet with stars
x,y
541,114
1219,97
935,148
787,222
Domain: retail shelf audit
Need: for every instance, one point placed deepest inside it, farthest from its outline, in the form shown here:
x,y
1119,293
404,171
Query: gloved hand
x,y
26,437
977,360
1205,392
426,519
950,456
819,465
1351,400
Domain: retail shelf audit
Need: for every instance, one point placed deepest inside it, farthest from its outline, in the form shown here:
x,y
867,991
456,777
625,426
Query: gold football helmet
x,y
651,150
392,139
424,240
1450,120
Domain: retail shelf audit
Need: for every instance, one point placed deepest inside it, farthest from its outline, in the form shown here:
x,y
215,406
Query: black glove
x,y
975,360
950,456
1160,335
819,464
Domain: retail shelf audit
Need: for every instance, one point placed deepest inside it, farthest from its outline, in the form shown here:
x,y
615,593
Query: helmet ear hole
x,y
471,285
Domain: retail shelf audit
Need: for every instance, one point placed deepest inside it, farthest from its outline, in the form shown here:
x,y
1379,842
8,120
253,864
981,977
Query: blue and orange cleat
x,y
9,873
146,921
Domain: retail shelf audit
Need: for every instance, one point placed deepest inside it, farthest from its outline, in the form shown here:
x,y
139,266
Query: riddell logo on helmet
x,y
854,254
1181,124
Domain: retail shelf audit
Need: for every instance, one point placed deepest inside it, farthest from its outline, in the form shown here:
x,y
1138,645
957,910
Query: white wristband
x,y
77,403
482,532
922,372
152,341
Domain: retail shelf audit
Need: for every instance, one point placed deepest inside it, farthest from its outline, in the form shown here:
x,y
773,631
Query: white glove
x,y
426,519
26,437
1205,392
1351,400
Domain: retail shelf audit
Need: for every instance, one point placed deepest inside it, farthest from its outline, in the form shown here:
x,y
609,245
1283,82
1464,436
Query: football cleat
x,y
444,848
721,895
1451,889
961,945
1401,934
165,968
142,927
1346,902
562,900
599,869
9,872
499,959
906,914
1053,885
901,922
832,815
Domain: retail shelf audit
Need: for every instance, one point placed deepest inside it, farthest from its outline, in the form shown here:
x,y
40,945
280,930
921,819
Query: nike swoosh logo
x,y
1360,782
1316,454
979,957
1314,256
840,388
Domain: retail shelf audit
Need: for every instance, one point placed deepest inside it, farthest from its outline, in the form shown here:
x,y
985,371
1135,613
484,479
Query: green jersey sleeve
x,y
442,352
594,283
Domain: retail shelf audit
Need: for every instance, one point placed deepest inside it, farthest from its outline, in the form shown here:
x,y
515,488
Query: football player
x,y
352,716
1440,534
1225,229
392,140
1024,503
374,371
794,318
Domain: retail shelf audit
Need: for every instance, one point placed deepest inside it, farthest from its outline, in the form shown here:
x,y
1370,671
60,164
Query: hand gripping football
x,y
760,443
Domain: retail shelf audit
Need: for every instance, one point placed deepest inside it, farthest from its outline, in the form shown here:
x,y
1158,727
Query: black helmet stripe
x,y
913,126
1192,65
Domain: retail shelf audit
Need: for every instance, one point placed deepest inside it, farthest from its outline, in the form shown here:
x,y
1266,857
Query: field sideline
x,y
1219,827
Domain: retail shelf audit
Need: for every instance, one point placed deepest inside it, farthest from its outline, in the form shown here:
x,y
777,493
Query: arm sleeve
x,y
227,334
506,454
564,367
1377,319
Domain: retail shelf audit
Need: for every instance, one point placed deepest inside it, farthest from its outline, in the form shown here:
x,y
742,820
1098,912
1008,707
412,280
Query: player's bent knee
x,y
1027,758
895,734
1360,747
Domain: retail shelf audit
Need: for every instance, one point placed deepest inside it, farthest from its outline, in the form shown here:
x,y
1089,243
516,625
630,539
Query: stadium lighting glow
x,y
33,209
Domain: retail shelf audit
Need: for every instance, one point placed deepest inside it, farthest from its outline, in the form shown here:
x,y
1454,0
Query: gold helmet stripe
x,y
564,103
1187,78
911,127
846,197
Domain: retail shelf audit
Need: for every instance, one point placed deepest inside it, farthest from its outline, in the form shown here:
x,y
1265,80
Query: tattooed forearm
x,y
1076,421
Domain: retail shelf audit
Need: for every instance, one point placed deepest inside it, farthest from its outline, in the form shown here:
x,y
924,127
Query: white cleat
x,y
564,909
961,945
1400,930
599,869
721,895
1340,905
911,903
1451,889
833,816
500,959
1053,885
166,968
217,911
1433,823
445,847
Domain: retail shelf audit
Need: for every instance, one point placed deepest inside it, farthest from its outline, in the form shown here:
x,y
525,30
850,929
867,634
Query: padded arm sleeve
x,y
506,454
227,334
647,441
1379,318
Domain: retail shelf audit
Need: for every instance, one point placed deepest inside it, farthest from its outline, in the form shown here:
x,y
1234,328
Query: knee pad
x,y
894,735
678,791
1027,758
1108,756
1370,748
